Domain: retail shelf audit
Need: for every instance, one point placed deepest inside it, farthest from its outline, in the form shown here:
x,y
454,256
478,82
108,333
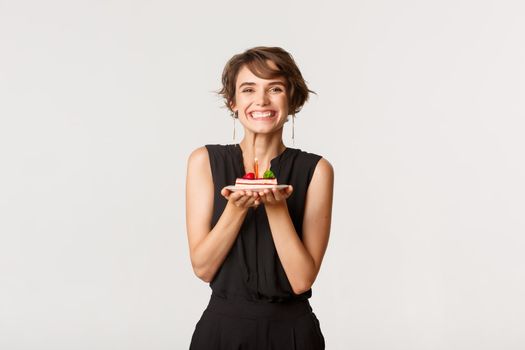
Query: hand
x,y
273,196
242,199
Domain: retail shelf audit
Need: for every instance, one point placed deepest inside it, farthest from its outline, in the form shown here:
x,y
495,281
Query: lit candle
x,y
256,168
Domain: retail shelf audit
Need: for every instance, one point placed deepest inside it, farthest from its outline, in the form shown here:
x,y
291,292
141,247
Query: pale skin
x,y
301,259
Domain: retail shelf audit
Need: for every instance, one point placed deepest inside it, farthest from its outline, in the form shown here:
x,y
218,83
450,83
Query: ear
x,y
232,105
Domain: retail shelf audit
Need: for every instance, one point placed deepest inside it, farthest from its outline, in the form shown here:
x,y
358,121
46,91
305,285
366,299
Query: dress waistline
x,y
249,309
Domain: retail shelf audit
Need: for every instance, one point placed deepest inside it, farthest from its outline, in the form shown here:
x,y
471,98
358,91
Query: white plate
x,y
233,188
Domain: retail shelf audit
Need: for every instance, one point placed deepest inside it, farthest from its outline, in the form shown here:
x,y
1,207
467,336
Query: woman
x,y
260,250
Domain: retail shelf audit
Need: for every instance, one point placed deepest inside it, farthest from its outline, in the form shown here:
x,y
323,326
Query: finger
x,y
226,193
256,199
254,202
277,194
249,202
268,195
286,192
235,196
250,194
242,201
260,197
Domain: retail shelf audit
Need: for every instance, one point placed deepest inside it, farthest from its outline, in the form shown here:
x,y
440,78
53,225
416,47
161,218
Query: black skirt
x,y
243,325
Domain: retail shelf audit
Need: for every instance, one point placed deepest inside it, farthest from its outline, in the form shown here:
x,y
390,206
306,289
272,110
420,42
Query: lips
x,y
262,114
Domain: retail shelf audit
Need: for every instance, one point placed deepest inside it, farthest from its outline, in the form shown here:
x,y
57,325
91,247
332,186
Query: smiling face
x,y
262,104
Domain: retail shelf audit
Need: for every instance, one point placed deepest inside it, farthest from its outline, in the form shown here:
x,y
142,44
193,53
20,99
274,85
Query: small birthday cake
x,y
250,181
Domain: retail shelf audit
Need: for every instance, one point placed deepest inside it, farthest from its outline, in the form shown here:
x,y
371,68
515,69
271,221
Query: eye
x,y
247,90
276,89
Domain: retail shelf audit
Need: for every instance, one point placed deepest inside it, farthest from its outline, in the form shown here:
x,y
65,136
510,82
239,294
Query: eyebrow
x,y
270,83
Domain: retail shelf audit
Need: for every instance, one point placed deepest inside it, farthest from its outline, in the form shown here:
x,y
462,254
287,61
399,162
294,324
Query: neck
x,y
262,147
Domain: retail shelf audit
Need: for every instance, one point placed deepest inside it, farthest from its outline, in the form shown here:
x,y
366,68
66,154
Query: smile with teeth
x,y
262,115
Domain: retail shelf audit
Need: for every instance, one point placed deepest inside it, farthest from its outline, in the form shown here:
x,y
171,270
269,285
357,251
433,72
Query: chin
x,y
265,131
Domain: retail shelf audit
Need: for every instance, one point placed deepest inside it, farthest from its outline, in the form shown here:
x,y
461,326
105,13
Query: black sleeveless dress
x,y
253,305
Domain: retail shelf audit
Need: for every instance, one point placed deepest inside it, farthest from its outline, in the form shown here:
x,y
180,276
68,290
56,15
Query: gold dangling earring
x,y
293,129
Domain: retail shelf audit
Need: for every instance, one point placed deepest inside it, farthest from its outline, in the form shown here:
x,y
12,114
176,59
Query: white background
x,y
420,110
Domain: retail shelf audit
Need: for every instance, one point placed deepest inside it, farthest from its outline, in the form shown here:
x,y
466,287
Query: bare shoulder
x,y
324,168
323,174
199,163
199,157
199,169
322,183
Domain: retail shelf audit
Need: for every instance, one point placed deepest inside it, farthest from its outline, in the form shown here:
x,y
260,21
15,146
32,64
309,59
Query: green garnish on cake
x,y
268,174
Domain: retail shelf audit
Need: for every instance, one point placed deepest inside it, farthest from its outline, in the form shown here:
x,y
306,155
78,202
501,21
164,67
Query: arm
x,y
209,247
301,260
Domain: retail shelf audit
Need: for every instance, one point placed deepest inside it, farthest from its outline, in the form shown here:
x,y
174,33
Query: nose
x,y
261,99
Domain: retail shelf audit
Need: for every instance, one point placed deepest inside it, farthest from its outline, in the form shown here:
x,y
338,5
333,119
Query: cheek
x,y
281,101
241,101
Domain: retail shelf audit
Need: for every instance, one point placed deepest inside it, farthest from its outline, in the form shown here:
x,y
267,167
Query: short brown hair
x,y
256,59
